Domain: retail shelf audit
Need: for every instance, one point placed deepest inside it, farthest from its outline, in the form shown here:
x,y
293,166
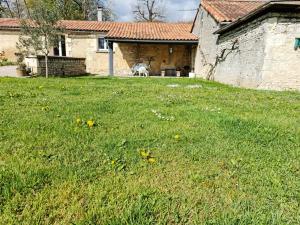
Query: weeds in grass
x,y
231,156
147,155
89,123
163,117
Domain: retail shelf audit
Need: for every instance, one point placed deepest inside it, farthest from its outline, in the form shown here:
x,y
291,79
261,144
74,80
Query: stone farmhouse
x,y
247,43
112,47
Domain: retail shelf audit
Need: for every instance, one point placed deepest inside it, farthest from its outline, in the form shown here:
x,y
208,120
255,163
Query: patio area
x,y
166,49
163,59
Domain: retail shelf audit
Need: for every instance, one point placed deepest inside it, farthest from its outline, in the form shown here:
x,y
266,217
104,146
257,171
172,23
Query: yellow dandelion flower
x,y
144,154
177,137
90,123
78,121
113,162
151,160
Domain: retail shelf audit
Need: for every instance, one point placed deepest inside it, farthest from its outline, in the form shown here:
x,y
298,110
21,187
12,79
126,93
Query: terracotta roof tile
x,y
230,10
153,31
9,22
87,25
118,30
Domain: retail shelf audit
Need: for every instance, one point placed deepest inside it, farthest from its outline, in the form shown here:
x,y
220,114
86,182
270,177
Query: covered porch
x,y
164,58
167,48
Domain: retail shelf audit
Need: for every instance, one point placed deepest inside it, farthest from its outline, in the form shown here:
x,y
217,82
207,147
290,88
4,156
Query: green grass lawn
x,y
158,154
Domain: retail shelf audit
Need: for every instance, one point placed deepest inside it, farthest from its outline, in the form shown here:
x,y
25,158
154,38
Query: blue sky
x,y
123,9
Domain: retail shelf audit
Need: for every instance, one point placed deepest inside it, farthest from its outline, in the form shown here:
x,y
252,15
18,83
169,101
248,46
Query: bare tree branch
x,y
18,9
69,9
5,7
149,10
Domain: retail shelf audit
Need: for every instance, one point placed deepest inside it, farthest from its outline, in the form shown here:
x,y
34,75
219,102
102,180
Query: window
x,y
297,43
102,44
63,46
60,47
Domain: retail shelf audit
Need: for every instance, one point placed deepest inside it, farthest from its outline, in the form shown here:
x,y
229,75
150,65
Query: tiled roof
x,y
67,24
153,31
81,25
9,22
290,6
116,30
230,10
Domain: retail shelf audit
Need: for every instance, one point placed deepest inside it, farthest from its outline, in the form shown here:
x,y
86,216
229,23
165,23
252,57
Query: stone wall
x,y
205,56
58,66
85,45
265,57
242,66
125,54
8,71
160,54
281,69
8,44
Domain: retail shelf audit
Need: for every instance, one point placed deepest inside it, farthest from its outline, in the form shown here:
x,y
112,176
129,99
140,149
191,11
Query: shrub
x,y
6,62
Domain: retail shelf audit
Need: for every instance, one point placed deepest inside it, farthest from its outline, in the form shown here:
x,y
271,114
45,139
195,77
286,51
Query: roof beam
x,y
152,41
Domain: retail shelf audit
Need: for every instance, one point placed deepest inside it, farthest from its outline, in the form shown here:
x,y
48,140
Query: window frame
x,y
297,43
60,49
105,49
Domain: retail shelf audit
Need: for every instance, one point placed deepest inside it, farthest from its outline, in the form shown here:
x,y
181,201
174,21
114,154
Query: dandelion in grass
x,y
144,153
91,123
147,156
177,137
152,160
78,121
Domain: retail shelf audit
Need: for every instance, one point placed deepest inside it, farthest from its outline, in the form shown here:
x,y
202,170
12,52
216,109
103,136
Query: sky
x,y
123,9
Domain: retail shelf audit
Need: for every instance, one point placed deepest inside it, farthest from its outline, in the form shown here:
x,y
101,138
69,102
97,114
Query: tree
x,y
12,8
87,9
5,9
1,9
41,32
68,9
149,10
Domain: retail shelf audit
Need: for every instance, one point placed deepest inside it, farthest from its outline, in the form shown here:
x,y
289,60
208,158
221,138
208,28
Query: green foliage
x,y
68,9
5,62
41,32
230,156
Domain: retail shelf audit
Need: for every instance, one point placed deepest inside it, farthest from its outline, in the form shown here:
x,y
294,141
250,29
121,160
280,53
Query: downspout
x,y
111,58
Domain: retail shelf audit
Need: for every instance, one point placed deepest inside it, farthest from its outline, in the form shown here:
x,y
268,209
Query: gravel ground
x,y
8,71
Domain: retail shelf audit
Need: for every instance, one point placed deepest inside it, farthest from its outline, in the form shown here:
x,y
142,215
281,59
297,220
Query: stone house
x,y
112,47
249,43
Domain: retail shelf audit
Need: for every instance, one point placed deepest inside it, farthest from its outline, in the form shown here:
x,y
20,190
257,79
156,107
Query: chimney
x,y
100,13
